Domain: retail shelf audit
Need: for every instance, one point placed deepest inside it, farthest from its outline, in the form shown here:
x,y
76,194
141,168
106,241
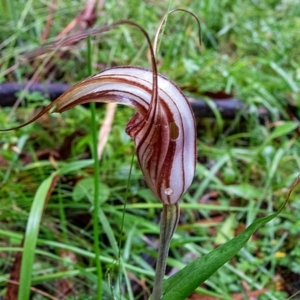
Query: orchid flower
x,y
163,130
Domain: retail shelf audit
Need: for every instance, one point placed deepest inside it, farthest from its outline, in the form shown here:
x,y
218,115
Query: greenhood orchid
x,y
163,130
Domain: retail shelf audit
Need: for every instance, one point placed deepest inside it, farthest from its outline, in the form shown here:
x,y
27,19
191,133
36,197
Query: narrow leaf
x,y
283,129
31,235
183,283
286,77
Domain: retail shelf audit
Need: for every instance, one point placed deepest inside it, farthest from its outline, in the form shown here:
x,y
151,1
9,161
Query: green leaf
x,y
183,283
213,106
76,165
283,129
243,190
85,188
226,231
31,235
286,77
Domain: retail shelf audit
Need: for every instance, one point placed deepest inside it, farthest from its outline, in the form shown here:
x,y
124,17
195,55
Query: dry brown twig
x,y
49,21
85,19
38,291
105,128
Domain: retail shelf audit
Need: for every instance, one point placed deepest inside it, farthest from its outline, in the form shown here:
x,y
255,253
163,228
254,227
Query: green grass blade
x,y
31,235
96,211
285,76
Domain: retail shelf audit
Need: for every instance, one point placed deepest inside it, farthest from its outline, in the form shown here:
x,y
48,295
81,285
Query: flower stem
x,y
96,229
168,224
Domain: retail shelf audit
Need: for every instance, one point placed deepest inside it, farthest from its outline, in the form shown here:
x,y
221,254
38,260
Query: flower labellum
x,y
163,129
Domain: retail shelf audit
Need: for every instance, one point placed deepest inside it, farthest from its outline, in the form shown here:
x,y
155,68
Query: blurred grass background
x,y
250,49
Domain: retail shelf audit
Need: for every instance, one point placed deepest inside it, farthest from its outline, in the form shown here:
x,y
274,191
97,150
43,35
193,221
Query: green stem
x,y
96,229
168,224
164,26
